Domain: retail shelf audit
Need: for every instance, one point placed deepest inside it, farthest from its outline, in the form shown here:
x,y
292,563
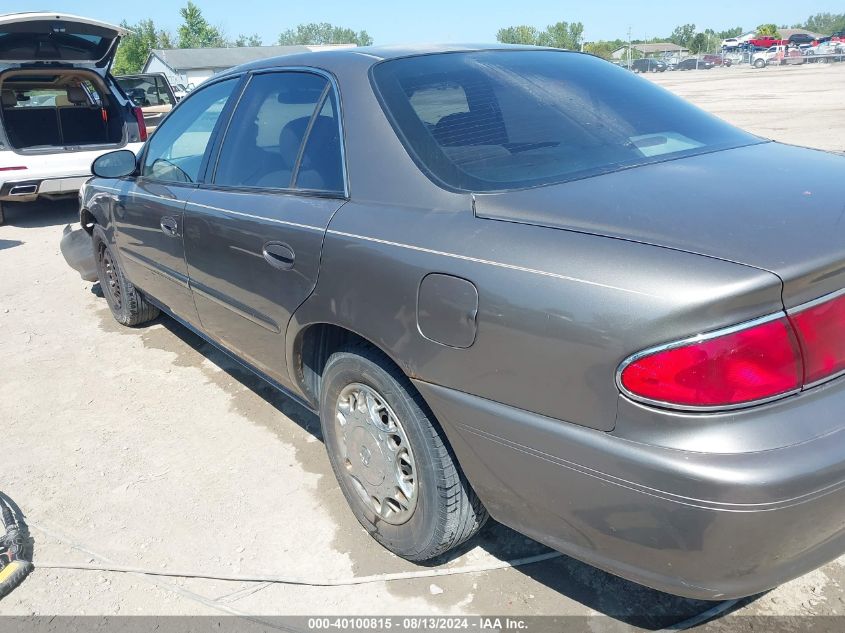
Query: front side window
x,y
498,120
284,134
175,150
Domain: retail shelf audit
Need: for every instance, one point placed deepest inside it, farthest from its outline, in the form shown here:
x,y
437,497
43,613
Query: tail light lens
x,y
745,364
821,331
735,368
142,127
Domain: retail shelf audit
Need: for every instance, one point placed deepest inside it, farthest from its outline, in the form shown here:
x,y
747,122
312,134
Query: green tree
x,y
734,32
562,35
683,35
698,43
324,33
601,49
195,31
824,23
521,34
135,47
768,29
558,35
252,40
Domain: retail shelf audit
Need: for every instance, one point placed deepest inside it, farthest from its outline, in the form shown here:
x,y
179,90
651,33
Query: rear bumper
x,y
26,190
701,525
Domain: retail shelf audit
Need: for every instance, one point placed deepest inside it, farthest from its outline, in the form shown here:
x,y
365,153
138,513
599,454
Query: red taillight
x,y
15,168
821,332
142,127
740,366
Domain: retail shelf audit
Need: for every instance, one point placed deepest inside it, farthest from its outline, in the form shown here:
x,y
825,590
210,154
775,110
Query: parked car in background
x,y
648,65
179,91
60,107
152,93
766,41
800,39
825,52
454,256
718,60
777,55
730,42
694,63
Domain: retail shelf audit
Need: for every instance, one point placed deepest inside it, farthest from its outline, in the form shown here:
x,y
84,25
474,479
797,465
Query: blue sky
x,y
391,22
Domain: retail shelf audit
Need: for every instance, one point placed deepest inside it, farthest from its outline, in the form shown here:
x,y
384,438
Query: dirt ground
x,y
147,448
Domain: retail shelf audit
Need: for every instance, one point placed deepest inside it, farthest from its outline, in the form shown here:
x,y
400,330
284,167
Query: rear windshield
x,y
53,41
498,120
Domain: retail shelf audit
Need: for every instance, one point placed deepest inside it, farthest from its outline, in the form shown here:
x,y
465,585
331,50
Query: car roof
x,y
332,58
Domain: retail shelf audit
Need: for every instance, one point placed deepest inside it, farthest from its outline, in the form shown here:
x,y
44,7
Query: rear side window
x,y
498,120
175,151
283,134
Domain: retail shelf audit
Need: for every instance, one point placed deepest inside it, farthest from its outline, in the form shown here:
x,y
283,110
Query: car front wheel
x,y
392,462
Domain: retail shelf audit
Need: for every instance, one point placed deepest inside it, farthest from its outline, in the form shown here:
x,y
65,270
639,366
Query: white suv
x,y
59,106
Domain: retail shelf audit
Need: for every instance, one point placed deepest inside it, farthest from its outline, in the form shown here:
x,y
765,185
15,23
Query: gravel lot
x,y
147,448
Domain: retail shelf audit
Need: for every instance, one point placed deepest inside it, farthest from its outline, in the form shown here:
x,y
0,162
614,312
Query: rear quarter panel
x,y
558,310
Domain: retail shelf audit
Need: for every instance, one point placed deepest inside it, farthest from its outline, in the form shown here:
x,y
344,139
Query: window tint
x,y
263,145
495,120
321,166
176,148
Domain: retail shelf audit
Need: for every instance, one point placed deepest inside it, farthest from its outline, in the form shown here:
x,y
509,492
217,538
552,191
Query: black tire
x,y
447,511
127,304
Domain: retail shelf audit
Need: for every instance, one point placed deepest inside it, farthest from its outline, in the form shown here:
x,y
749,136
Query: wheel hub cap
x,y
376,453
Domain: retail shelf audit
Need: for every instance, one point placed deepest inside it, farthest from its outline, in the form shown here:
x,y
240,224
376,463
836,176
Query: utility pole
x,y
629,47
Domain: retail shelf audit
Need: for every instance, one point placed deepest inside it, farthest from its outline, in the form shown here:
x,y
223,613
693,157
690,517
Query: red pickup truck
x,y
765,41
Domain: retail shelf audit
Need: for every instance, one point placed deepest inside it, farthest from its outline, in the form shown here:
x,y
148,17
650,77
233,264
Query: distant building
x,y
650,50
188,66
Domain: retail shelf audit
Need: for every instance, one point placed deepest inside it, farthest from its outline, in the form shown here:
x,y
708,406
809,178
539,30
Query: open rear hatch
x,y
775,207
42,38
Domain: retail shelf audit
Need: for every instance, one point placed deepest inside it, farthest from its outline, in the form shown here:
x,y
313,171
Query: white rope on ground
x,y
715,611
312,582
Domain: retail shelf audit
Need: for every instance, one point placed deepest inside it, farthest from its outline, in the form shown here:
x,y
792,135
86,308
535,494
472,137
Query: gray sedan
x,y
512,281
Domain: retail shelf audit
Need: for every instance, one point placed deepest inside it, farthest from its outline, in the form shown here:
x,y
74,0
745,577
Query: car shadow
x,y
41,213
9,244
619,599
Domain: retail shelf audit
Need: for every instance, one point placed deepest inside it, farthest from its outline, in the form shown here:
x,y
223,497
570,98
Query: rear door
x,y
254,230
149,212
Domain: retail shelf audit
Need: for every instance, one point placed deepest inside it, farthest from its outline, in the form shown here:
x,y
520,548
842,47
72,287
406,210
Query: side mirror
x,y
116,164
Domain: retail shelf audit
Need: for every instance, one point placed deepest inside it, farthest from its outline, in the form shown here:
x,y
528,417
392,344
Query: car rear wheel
x,y
759,63
392,462
127,304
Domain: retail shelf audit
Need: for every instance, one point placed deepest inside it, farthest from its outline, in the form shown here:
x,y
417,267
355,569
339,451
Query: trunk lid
x,y
771,206
48,38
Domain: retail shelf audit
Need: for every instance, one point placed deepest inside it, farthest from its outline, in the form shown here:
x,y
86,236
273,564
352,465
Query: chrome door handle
x,y
278,255
169,226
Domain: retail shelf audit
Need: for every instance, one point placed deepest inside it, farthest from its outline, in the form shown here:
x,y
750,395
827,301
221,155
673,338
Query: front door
x,y
254,230
149,213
